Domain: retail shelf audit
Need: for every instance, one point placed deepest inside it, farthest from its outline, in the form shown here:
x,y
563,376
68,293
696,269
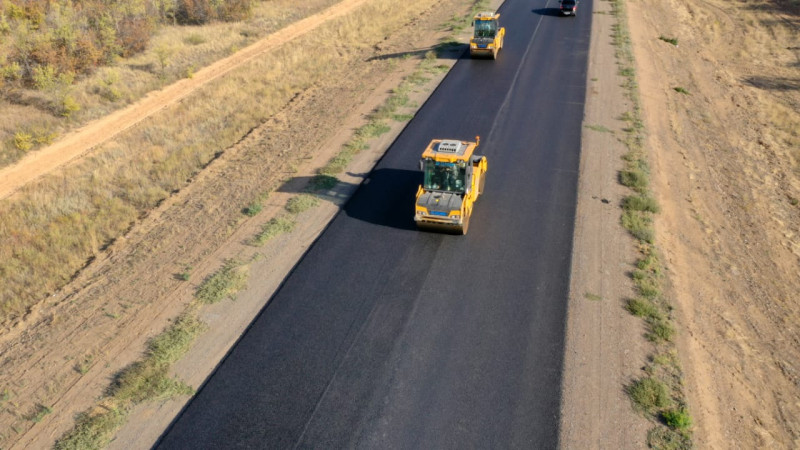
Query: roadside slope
x,y
722,110
79,142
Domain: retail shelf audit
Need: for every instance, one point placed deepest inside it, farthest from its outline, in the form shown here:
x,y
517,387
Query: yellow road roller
x,y
487,39
453,179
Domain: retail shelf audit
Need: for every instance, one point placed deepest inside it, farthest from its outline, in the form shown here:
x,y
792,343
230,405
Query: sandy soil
x,y
605,348
726,173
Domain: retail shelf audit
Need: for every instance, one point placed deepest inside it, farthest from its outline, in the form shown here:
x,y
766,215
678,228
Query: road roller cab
x,y
488,37
453,178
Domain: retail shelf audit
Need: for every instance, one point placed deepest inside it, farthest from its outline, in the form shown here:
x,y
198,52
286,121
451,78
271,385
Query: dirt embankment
x,y
722,108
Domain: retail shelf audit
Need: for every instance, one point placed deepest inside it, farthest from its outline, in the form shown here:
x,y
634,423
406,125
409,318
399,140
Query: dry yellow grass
x,y
184,49
54,226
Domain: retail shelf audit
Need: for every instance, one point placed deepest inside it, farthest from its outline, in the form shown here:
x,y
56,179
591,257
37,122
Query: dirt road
x,y
80,142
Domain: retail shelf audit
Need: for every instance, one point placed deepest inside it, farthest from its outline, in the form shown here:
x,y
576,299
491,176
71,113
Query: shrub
x,y
301,203
641,307
677,418
69,106
44,77
372,129
92,430
274,227
661,330
641,203
638,225
323,182
193,12
673,41
635,179
648,287
232,10
649,394
23,141
252,209
222,284
134,34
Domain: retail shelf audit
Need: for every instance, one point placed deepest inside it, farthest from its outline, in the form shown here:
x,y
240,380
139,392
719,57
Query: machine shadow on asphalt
x,y
385,198
450,51
552,12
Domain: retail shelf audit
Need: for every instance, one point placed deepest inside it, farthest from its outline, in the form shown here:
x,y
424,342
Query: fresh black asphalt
x,y
387,337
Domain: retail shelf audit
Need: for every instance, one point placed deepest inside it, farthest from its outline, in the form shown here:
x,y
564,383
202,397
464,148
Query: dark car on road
x,y
569,7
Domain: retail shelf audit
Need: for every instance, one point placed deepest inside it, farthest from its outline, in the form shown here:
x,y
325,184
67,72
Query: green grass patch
x,y
276,226
149,378
143,380
673,41
664,359
252,209
677,418
649,394
322,182
642,307
301,203
662,384
681,90
661,330
599,128
402,117
338,163
627,72
92,430
649,263
185,275
592,297
634,178
642,203
648,286
373,129
638,225
224,283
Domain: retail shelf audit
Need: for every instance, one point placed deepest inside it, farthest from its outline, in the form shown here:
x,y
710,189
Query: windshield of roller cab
x,y
444,176
485,28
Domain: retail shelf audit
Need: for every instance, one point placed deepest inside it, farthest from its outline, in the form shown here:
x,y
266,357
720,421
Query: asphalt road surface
x,y
387,337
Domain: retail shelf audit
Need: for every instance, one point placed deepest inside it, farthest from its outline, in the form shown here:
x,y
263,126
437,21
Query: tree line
x,y
45,39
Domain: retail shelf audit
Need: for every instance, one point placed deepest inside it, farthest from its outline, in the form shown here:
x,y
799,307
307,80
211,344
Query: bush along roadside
x,y
658,392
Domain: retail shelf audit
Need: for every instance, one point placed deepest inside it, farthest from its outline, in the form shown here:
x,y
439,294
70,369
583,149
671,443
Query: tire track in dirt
x,y
80,142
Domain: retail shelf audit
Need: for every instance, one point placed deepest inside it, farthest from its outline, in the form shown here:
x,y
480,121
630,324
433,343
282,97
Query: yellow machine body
x,y
488,36
453,179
